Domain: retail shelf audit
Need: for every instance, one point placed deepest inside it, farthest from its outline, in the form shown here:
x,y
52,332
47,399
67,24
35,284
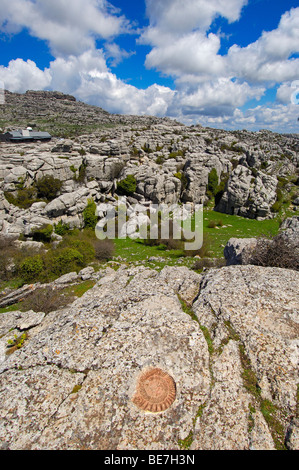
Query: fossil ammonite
x,y
155,391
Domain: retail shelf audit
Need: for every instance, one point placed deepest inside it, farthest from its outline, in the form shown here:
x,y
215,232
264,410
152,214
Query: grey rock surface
x,y
71,384
239,250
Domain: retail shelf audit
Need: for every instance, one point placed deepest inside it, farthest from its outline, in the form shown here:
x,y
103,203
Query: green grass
x,y
224,227
79,289
271,415
234,227
228,226
11,308
135,251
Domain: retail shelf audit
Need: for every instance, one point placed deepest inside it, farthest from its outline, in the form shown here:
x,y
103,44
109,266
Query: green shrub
x,y
82,173
127,186
61,228
43,234
212,182
276,206
30,268
221,188
160,160
66,260
48,187
89,214
24,198
85,248
183,178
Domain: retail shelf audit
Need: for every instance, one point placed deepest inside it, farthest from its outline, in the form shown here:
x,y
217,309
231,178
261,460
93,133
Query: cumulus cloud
x,y
88,78
116,54
177,17
178,35
21,76
210,88
286,92
188,55
69,27
268,59
187,51
275,117
106,90
213,98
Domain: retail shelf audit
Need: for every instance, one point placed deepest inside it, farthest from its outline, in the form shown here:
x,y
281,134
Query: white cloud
x,y
69,27
21,76
88,78
285,92
190,54
267,59
178,35
209,87
107,91
213,98
177,17
114,52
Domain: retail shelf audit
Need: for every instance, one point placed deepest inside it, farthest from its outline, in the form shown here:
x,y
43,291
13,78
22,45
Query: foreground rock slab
x,y
74,381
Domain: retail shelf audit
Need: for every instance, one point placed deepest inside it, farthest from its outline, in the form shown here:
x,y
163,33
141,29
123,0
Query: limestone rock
x,y
248,196
239,250
73,383
290,230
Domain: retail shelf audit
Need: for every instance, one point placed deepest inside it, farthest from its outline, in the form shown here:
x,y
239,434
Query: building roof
x,y
28,134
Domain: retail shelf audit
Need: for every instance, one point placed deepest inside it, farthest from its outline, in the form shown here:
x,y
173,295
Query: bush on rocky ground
x,y
45,300
104,249
48,187
127,187
44,189
89,215
77,250
7,254
42,234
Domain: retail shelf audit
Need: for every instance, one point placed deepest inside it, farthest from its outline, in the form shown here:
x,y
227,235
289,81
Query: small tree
x,y
89,214
212,182
31,267
127,186
48,187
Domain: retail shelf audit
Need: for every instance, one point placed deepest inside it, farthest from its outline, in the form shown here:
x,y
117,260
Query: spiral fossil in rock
x,y
156,391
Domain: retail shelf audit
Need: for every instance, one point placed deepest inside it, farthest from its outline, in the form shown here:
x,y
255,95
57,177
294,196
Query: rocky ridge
x,y
170,162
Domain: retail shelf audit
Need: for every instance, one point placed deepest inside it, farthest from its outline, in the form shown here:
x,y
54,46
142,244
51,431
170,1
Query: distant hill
x,y
60,114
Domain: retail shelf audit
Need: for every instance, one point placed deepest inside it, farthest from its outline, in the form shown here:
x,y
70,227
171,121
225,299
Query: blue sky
x,y
230,64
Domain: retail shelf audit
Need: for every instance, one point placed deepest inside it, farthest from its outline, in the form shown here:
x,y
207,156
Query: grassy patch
x,y
218,228
186,443
233,226
79,289
270,413
11,308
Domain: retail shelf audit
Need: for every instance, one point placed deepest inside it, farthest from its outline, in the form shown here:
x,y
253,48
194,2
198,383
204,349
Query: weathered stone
x,y
239,250
132,322
67,278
